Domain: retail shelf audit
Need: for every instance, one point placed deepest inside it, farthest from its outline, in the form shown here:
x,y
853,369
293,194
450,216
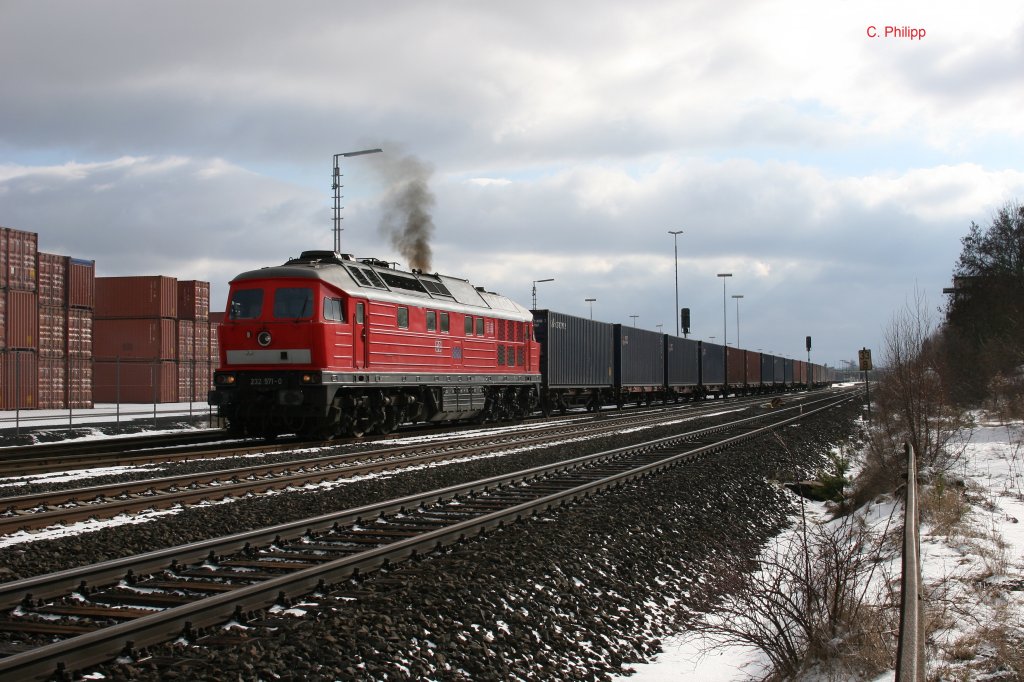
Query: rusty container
x,y
136,297
214,343
134,339
203,380
201,341
22,250
19,380
735,367
53,332
81,278
79,333
194,380
53,270
79,382
135,382
3,320
186,340
193,300
22,320
52,383
753,361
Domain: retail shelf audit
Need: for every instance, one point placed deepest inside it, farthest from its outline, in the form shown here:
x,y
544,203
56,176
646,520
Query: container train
x,y
327,344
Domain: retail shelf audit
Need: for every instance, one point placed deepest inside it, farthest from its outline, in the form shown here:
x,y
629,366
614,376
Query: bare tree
x,y
913,401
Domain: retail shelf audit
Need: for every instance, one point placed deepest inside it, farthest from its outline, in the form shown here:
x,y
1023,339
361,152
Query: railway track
x,y
209,444
117,605
41,510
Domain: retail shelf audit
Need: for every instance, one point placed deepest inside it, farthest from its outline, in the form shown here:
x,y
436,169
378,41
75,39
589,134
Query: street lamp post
x,y
591,302
634,319
737,297
535,283
336,186
725,328
675,241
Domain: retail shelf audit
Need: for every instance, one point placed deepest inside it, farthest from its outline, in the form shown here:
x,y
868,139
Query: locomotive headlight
x,y
264,338
224,379
307,378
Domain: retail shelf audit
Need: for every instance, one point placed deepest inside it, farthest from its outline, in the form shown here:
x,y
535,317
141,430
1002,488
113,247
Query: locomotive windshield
x,y
246,304
293,303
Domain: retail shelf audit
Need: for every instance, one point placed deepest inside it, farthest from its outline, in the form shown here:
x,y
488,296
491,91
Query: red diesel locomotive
x,y
330,345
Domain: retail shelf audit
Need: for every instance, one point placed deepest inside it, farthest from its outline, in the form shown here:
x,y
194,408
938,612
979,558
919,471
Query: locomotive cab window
x,y
333,312
293,303
431,321
403,318
246,304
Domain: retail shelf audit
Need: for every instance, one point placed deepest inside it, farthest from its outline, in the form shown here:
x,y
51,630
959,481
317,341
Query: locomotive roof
x,y
376,280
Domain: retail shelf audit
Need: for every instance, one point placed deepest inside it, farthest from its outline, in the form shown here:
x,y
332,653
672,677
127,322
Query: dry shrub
x,y
944,507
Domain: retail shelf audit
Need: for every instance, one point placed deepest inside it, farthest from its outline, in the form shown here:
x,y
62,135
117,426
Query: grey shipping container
x,y
682,366
575,352
767,369
780,369
639,357
788,371
712,364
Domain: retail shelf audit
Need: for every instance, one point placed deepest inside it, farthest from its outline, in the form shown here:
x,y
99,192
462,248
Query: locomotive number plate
x,y
266,381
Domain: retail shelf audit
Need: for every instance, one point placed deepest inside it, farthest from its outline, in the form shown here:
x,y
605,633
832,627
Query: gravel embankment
x,y
574,595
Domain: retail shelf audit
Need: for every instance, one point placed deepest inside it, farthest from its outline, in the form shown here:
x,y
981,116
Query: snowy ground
x,y
974,574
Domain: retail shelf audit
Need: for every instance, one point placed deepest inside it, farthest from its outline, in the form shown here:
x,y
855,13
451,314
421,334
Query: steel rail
x,y
104,644
910,662
84,503
55,584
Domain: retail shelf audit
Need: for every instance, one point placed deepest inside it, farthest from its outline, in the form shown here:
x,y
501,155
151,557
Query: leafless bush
x,y
812,600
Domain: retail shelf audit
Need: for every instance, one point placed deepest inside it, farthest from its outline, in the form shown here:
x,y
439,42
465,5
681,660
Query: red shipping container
x,y
52,387
79,382
3,320
81,277
193,300
217,318
22,319
19,376
203,380
136,297
735,367
186,340
134,339
201,341
135,382
22,251
214,343
194,380
79,333
753,368
52,279
53,332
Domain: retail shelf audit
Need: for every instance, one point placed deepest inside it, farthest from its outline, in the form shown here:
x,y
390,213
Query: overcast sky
x,y
830,171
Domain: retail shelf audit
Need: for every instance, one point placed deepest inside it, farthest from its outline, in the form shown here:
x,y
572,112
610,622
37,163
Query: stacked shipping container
x,y
152,340
66,298
19,321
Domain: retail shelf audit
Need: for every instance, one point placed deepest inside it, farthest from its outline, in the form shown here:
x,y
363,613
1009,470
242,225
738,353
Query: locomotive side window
x,y
469,325
293,303
444,322
431,321
333,312
246,304
403,318
360,307
479,326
